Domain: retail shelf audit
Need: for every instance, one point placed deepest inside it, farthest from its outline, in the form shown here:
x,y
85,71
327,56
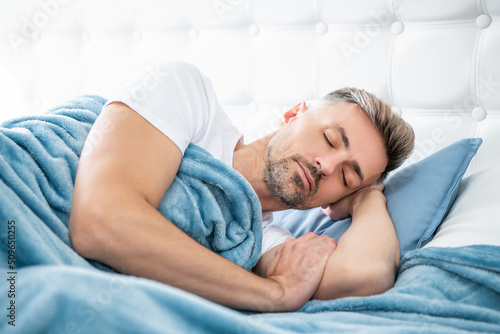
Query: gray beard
x,y
289,190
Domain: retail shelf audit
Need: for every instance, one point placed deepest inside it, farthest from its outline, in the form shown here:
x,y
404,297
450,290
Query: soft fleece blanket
x,y
438,290
38,162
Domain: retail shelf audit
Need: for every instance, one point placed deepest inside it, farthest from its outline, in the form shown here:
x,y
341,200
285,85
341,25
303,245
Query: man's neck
x,y
249,161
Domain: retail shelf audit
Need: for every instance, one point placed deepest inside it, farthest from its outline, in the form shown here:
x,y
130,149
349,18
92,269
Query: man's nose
x,y
327,164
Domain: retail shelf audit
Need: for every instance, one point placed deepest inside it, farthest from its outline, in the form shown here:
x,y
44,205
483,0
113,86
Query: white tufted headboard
x,y
435,61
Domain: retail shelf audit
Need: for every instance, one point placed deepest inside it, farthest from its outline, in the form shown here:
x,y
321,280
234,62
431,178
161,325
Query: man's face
x,y
320,156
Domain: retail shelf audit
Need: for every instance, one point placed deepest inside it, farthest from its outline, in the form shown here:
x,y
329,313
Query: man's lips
x,y
306,176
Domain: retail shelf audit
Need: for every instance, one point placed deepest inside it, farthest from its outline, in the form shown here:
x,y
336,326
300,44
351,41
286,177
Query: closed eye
x,y
343,178
326,138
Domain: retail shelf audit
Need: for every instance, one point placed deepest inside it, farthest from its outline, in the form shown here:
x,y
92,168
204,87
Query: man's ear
x,y
292,113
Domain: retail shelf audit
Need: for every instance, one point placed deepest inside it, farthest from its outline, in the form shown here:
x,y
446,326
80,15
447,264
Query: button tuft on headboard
x,y
483,21
397,110
321,28
85,37
253,30
253,107
397,28
137,36
194,33
478,114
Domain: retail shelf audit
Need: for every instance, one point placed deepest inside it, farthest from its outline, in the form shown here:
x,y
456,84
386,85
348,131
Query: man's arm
x,y
367,255
124,171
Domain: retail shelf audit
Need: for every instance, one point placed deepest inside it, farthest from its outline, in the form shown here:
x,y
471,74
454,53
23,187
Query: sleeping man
x,y
333,154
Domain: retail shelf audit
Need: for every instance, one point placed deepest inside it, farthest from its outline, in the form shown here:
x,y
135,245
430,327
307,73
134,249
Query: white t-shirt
x,y
179,100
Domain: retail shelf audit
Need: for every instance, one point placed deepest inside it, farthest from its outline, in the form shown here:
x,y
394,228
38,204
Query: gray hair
x,y
397,135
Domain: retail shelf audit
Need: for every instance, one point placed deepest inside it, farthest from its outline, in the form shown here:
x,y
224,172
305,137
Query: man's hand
x,y
344,207
298,267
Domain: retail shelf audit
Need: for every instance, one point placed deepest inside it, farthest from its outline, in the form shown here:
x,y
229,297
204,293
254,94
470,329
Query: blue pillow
x,y
418,198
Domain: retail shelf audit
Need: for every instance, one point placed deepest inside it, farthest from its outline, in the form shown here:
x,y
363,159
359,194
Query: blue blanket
x,y
51,289
39,156
439,290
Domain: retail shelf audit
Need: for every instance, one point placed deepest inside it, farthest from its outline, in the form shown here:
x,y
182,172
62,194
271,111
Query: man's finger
x,y
307,236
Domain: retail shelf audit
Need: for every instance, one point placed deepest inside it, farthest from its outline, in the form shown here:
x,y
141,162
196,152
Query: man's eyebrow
x,y
343,135
358,171
345,140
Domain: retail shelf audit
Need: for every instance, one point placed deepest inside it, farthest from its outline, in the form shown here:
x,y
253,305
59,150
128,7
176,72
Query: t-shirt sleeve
x,y
273,235
175,97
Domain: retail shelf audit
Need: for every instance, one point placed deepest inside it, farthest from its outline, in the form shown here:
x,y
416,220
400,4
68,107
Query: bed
x,y
433,61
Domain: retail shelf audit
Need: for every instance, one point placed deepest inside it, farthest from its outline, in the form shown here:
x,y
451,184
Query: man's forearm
x,y
367,254
141,242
